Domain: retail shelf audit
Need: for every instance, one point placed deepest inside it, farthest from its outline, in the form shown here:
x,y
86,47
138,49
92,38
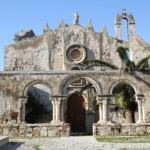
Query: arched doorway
x,y
76,113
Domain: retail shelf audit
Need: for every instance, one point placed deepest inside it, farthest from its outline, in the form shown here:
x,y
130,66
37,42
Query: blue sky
x,y
17,15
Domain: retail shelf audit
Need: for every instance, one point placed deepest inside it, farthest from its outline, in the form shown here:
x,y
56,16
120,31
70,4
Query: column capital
x,y
104,97
23,99
140,98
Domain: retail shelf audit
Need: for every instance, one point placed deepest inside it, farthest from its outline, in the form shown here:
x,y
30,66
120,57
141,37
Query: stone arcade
x,y
51,64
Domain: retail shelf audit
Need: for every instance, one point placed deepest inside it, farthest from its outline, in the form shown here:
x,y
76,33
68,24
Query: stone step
x,y
4,140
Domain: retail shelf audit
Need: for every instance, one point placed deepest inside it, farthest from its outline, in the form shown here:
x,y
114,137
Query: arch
x,y
69,79
27,87
124,28
128,18
133,85
76,92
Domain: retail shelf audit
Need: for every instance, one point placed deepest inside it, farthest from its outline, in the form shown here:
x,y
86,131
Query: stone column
x,y
105,111
63,110
108,108
100,110
57,102
104,108
19,106
21,110
54,110
140,100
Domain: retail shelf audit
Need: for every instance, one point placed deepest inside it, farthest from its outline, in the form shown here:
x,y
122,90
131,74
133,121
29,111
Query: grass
x,y
36,147
124,139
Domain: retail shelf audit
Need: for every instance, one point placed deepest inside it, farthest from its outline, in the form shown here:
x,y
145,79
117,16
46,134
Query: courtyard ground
x,y
72,143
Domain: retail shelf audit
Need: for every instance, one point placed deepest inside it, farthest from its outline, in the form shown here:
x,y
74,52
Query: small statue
x,y
76,18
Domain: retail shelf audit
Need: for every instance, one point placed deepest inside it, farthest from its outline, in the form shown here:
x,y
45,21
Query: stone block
x,y
29,135
36,132
60,128
43,131
29,130
22,131
53,133
6,131
14,132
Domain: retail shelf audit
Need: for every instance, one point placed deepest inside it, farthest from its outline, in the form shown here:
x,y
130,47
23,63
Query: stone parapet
x,y
34,130
111,129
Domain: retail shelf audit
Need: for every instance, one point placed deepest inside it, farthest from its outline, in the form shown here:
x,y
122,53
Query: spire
x,y
90,26
76,18
104,30
62,24
132,18
117,18
46,28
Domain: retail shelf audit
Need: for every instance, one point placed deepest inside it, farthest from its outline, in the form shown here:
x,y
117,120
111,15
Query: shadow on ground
x,y
11,146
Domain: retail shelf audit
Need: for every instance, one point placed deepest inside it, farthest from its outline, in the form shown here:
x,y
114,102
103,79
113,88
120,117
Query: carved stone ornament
x,y
27,60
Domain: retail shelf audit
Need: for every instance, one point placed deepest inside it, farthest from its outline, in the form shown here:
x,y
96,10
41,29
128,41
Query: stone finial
x,y
62,24
76,18
132,17
104,30
117,18
46,28
123,11
90,26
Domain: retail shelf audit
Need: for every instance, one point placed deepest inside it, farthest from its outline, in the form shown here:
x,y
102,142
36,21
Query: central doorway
x,y
76,113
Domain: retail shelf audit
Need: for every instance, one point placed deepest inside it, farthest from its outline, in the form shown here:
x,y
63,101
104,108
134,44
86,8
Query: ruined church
x,y
43,75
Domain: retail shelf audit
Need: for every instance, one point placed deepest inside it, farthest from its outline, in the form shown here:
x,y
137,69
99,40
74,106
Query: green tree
x,y
128,65
124,96
122,93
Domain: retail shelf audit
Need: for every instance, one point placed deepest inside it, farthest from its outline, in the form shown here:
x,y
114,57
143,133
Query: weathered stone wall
x,y
34,130
14,85
49,51
120,129
50,60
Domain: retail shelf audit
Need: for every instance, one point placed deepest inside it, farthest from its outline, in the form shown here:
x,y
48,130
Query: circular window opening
x,y
75,54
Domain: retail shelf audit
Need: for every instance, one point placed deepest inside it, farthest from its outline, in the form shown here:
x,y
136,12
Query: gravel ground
x,y
71,143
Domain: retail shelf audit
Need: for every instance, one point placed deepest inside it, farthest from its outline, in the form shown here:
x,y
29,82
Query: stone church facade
x,y
51,65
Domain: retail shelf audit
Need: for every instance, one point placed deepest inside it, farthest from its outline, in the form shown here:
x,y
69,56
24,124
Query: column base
x,y
57,122
140,121
102,122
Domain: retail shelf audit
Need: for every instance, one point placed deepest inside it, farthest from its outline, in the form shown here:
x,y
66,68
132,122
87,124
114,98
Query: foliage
x,y
124,139
94,62
34,109
91,96
124,96
93,103
128,65
36,147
